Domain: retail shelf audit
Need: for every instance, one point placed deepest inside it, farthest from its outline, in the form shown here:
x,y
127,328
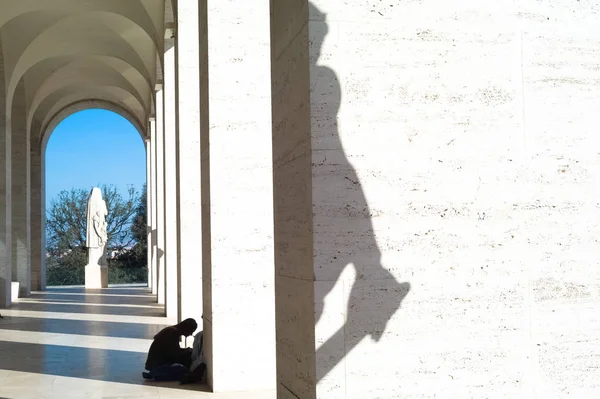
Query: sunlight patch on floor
x,y
63,302
74,340
87,317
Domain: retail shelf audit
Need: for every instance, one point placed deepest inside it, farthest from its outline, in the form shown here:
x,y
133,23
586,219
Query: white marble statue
x,y
96,220
96,271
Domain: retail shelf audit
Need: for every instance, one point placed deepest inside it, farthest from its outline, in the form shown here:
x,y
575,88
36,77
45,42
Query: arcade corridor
x,y
376,199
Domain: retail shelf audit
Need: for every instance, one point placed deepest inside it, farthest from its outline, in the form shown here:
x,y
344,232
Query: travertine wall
x,y
454,181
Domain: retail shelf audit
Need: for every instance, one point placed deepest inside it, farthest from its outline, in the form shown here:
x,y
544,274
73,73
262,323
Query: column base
x,y
14,291
96,276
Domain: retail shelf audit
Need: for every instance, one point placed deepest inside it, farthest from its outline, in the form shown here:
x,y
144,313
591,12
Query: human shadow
x,y
342,222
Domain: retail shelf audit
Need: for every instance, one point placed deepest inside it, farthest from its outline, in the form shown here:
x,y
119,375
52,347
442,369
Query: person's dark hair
x,y
187,327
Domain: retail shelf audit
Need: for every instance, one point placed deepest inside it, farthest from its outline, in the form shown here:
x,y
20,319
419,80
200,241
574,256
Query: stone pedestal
x,y
96,271
14,292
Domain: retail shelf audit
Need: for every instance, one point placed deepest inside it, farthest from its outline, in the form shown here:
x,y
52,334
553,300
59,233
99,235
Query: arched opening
x,y
85,145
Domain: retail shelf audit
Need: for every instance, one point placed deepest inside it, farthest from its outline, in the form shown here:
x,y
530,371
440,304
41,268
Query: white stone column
x,y
188,158
148,148
170,186
153,250
21,233
37,207
240,322
160,198
5,196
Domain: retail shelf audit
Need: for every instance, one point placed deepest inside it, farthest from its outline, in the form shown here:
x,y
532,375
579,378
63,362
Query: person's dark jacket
x,y
165,348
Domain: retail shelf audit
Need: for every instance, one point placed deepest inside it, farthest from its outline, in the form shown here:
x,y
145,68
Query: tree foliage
x,y
66,219
139,229
126,229
138,255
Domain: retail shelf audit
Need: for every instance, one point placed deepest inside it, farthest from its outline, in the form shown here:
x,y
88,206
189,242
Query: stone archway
x,y
38,177
83,105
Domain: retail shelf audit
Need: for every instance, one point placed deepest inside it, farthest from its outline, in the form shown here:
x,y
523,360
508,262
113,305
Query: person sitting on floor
x,y
166,359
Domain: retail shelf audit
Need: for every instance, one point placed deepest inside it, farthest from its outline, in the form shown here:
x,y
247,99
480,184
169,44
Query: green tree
x,y
66,229
66,219
138,255
140,221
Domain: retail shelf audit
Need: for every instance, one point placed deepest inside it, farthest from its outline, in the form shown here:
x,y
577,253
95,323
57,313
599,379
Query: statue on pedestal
x,y
96,271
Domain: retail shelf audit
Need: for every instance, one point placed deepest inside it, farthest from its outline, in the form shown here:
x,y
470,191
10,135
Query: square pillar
x,y
170,187
21,232
37,212
152,239
189,170
5,218
292,196
148,148
5,196
160,199
96,275
238,265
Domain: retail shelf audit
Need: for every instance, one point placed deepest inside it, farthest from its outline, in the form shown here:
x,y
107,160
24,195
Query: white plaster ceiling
x,y
68,51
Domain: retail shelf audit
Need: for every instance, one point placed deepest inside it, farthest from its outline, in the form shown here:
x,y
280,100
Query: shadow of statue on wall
x,y
342,216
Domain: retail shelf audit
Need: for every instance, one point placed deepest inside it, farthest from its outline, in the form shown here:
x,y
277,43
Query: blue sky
x,y
91,148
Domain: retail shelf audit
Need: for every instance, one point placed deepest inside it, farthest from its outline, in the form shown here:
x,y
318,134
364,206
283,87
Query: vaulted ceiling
x,y
64,52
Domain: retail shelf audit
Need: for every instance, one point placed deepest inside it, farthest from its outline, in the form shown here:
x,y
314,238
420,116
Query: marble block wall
x,y
453,188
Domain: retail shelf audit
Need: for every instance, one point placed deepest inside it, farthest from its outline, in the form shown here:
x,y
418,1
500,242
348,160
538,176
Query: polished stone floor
x,y
72,343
